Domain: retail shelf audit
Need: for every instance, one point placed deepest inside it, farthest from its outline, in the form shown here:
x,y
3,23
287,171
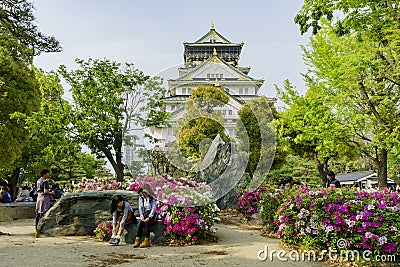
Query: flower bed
x,y
187,209
341,220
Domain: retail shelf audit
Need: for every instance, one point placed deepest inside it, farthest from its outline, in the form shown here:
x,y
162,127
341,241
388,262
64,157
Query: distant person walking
x,y
43,197
332,181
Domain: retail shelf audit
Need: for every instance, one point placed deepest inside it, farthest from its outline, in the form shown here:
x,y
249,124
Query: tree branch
x,y
372,107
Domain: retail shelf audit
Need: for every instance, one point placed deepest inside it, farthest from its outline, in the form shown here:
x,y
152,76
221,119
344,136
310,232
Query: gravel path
x,y
237,246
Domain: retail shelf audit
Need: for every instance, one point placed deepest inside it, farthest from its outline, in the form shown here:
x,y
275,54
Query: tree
x,y
202,120
302,170
17,20
356,58
48,140
109,99
20,40
19,96
309,128
256,116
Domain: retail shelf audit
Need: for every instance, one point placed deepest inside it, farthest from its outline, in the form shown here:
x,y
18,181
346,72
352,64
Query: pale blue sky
x,y
150,34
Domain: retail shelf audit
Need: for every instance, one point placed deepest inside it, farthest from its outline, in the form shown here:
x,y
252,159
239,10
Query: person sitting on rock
x,y
147,211
122,213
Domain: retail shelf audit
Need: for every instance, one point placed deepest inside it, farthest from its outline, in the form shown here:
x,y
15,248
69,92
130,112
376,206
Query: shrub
x,y
248,202
271,199
186,207
320,218
103,231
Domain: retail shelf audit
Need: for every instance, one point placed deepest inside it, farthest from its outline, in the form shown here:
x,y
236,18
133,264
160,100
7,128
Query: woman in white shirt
x,y
148,216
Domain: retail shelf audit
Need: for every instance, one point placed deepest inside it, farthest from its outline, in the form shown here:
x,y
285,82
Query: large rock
x,y
223,169
80,213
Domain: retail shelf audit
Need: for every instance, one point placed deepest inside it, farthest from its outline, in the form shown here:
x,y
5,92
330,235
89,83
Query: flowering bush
x,y
106,183
186,207
248,201
271,199
103,231
319,218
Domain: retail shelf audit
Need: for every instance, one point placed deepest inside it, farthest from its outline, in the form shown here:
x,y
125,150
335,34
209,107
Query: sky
x,y
150,34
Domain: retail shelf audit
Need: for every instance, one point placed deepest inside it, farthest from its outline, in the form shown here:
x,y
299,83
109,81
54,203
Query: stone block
x,y
156,233
17,210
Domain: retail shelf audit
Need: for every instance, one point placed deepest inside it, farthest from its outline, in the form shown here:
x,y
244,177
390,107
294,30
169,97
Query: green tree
x,y
355,57
303,170
20,40
17,21
19,96
309,128
257,115
48,139
109,99
202,121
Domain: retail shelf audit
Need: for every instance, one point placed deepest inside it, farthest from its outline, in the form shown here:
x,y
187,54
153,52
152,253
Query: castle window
x,y
183,91
230,112
240,91
246,91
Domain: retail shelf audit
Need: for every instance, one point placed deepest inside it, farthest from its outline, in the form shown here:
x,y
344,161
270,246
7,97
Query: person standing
x,y
147,211
43,197
332,181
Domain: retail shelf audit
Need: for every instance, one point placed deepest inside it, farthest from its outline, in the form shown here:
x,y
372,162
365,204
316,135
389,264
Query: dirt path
x,y
237,246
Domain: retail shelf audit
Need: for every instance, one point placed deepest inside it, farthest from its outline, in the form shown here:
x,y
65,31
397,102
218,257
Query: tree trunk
x,y
381,162
119,172
321,169
13,183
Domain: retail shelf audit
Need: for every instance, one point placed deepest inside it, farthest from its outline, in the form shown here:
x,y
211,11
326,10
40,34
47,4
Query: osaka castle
x,y
212,60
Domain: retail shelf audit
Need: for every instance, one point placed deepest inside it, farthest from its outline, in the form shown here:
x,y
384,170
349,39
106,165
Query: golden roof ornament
x,y
212,25
214,52
216,82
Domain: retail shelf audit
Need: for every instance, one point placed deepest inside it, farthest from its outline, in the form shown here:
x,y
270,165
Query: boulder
x,y
80,213
223,169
